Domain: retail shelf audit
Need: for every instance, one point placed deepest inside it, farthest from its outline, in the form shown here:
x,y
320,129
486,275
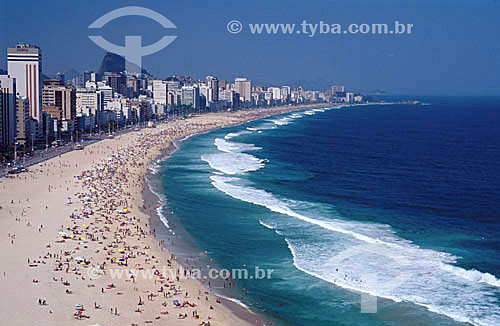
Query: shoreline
x,y
242,311
66,218
153,202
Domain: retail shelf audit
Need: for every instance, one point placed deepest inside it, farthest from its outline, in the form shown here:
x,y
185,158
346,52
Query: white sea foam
x,y
233,147
231,160
235,301
310,112
281,122
162,201
464,295
472,275
163,218
154,167
236,134
263,198
231,135
233,163
270,227
266,125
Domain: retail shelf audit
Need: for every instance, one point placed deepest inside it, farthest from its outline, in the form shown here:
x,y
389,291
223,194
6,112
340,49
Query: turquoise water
x,y
397,201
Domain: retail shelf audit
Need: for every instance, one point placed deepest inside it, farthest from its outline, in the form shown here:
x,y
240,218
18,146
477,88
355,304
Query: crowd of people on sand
x,y
103,232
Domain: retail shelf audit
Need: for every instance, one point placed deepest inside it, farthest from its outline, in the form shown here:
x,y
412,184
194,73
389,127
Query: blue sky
x,y
453,49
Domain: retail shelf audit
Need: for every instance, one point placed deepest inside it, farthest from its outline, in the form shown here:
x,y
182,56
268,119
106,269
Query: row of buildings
x,y
33,109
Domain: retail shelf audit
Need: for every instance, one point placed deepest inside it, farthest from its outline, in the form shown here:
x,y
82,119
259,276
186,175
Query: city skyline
x,y
114,98
433,59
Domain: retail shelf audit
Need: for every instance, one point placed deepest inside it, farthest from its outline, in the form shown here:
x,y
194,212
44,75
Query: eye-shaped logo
x,y
133,51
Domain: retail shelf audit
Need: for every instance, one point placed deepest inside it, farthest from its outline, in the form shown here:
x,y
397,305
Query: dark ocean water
x,y
398,201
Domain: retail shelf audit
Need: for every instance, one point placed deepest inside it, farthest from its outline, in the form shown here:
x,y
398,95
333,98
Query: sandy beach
x,y
72,223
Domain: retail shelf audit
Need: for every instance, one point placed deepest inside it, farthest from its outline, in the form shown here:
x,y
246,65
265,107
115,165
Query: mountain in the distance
x,y
113,63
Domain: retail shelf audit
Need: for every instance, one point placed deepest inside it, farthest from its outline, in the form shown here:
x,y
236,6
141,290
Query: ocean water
x,y
393,204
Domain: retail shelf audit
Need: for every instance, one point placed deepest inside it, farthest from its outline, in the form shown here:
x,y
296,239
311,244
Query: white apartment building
x,y
24,62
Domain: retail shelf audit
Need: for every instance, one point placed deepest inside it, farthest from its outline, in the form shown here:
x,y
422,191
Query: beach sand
x,y
86,205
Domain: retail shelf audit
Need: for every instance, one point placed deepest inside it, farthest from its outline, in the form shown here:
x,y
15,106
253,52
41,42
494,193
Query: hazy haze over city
x,y
453,45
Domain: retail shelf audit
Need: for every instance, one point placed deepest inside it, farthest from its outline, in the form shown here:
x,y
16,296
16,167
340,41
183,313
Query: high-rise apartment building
x,y
57,96
106,93
275,93
23,121
208,94
7,111
24,63
88,101
229,96
336,89
222,84
191,96
213,83
243,87
160,92
117,81
285,93
173,85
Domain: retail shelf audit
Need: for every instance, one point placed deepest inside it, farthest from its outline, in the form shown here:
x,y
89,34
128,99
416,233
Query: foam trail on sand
x,y
161,198
238,302
154,166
